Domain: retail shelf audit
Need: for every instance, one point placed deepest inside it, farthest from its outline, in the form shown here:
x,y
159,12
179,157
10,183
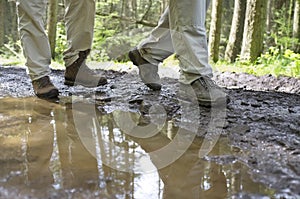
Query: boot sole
x,y
217,103
69,83
72,83
50,95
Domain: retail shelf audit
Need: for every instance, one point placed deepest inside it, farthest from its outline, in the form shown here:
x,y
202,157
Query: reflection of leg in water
x,y
78,165
40,143
94,130
185,177
56,156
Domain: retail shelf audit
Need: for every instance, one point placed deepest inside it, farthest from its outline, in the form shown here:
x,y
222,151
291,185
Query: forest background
x,y
253,36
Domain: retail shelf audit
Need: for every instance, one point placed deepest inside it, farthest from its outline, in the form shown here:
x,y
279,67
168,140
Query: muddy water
x,y
45,154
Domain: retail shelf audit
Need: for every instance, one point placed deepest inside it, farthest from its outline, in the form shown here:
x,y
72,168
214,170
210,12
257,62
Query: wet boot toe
x,y
44,89
79,73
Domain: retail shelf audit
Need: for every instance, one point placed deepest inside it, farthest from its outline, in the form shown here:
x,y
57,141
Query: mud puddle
x,y
51,150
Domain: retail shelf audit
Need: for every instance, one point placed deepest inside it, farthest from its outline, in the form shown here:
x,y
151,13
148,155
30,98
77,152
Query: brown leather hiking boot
x,y
147,71
205,91
43,88
79,73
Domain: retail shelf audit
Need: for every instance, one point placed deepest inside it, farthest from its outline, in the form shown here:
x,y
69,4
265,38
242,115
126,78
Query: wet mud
x,y
255,153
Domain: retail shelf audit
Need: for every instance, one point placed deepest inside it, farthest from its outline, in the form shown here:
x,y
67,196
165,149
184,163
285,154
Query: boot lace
x,y
43,82
207,82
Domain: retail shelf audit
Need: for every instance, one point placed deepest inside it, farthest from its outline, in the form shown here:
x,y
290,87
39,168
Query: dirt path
x,y
263,116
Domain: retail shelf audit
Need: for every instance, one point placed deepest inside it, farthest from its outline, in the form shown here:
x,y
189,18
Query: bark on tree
x,y
215,30
134,10
122,14
11,14
8,22
227,15
296,26
2,22
254,29
51,24
233,47
269,15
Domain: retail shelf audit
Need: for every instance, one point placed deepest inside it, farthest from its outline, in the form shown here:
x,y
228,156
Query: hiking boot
x,y
43,88
147,71
79,73
207,92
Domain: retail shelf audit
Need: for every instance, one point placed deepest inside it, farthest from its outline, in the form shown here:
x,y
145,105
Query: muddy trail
x,y
254,139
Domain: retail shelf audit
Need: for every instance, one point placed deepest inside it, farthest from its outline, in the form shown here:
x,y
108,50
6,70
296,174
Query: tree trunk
x,y
2,2
134,10
227,15
122,14
296,26
13,21
236,34
215,29
52,22
254,29
269,16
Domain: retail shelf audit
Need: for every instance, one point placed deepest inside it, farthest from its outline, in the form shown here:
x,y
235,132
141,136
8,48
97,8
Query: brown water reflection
x,y
42,156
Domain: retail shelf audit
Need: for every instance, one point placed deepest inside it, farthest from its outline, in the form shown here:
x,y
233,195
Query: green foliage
x,y
272,62
111,42
277,63
61,42
11,49
282,30
116,32
116,47
105,27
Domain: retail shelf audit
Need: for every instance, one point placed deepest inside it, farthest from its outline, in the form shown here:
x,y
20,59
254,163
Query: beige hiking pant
x,y
79,21
181,30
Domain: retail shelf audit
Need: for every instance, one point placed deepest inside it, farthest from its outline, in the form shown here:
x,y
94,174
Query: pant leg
x,y
79,21
188,32
158,46
33,37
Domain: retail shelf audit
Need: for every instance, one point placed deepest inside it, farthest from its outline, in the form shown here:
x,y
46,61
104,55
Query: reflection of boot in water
x,y
185,177
68,164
